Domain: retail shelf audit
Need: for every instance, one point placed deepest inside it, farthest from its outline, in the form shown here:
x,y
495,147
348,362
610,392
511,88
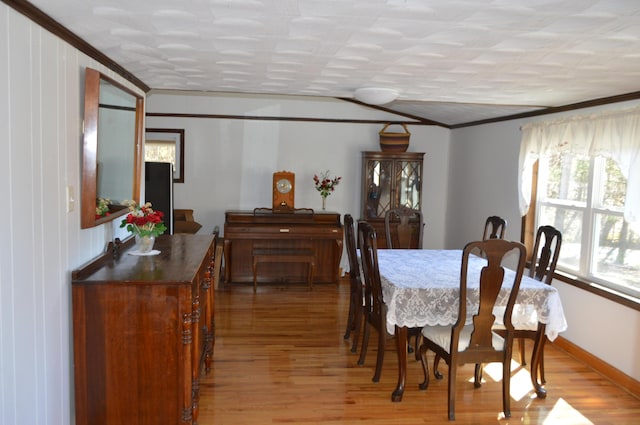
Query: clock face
x,y
283,186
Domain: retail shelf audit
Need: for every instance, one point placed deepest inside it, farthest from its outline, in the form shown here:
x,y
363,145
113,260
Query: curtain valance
x,y
614,134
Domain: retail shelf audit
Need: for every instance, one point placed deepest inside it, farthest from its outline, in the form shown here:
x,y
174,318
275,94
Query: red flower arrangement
x,y
324,184
143,220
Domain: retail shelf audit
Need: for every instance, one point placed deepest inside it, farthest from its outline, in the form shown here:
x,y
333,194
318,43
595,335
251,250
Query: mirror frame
x,y
89,167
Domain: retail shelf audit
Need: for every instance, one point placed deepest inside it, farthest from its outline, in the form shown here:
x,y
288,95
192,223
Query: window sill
x,y
603,291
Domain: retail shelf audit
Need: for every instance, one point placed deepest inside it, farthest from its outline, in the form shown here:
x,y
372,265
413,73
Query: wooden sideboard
x,y
246,230
142,331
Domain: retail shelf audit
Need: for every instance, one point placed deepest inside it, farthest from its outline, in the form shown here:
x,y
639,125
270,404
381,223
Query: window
x,y
166,145
160,151
584,198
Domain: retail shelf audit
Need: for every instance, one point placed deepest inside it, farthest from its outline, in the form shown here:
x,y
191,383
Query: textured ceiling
x,y
452,61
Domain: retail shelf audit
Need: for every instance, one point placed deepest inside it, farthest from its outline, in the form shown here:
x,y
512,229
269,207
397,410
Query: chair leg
x,y
410,348
357,327
380,356
523,360
537,364
436,372
506,381
425,367
477,376
365,341
350,318
542,378
451,385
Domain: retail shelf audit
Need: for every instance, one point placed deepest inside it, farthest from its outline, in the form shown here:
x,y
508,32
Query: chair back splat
x,y
494,228
471,339
545,254
408,229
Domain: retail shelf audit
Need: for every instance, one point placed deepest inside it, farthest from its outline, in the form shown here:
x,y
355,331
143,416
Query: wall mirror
x,y
111,154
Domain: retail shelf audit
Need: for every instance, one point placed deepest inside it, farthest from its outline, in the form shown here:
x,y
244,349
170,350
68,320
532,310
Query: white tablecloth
x,y
421,287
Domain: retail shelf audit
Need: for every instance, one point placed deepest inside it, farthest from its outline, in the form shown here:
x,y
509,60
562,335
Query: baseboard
x,y
617,377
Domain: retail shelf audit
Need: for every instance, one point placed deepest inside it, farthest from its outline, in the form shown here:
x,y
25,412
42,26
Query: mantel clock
x,y
284,184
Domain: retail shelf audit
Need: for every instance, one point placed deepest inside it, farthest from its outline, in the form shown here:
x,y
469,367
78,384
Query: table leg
x,y
401,345
538,352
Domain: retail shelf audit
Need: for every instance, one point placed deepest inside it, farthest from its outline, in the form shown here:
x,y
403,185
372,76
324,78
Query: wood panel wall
x,y
41,100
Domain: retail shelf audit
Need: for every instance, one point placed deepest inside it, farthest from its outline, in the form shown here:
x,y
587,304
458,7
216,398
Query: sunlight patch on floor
x,y
494,370
565,414
521,384
520,380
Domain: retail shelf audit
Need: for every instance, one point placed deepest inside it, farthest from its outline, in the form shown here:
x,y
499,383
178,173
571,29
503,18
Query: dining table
x,y
421,287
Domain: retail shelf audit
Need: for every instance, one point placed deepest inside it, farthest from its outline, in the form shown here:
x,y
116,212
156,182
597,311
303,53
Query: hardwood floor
x,y
280,358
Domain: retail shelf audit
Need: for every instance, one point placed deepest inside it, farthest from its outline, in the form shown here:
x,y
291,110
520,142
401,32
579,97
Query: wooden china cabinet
x,y
143,331
390,180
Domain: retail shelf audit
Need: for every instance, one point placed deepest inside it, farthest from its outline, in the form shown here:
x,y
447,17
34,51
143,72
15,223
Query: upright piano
x,y
264,228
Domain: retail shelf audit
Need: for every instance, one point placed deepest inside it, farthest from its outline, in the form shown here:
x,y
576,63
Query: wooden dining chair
x,y
409,228
375,311
209,323
476,342
544,258
356,308
494,228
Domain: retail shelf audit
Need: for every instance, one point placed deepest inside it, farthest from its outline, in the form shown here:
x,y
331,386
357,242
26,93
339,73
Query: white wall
x,y
41,101
482,173
229,162
483,182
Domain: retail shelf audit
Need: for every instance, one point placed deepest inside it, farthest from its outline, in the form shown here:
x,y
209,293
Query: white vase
x,y
144,244
324,201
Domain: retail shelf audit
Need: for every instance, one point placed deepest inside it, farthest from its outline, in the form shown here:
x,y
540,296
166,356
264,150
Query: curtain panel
x,y
614,134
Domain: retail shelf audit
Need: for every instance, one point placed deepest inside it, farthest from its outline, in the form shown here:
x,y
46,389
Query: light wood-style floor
x,y
280,358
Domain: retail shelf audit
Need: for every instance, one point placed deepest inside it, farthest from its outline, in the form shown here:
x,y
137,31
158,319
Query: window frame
x,y
527,237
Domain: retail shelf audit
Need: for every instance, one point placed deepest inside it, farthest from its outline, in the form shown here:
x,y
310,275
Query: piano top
x,y
266,216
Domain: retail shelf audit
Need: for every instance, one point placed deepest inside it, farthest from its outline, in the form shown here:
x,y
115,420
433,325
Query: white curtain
x,y
611,134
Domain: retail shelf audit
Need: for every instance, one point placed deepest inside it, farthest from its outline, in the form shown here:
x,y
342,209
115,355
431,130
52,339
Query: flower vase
x,y
324,202
144,244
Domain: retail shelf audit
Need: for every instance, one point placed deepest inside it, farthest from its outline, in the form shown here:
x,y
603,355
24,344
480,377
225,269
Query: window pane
x,y
157,151
568,177
569,223
584,198
617,253
614,185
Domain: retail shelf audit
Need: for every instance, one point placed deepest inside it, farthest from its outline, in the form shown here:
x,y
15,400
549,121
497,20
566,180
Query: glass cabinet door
x,y
379,188
408,180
